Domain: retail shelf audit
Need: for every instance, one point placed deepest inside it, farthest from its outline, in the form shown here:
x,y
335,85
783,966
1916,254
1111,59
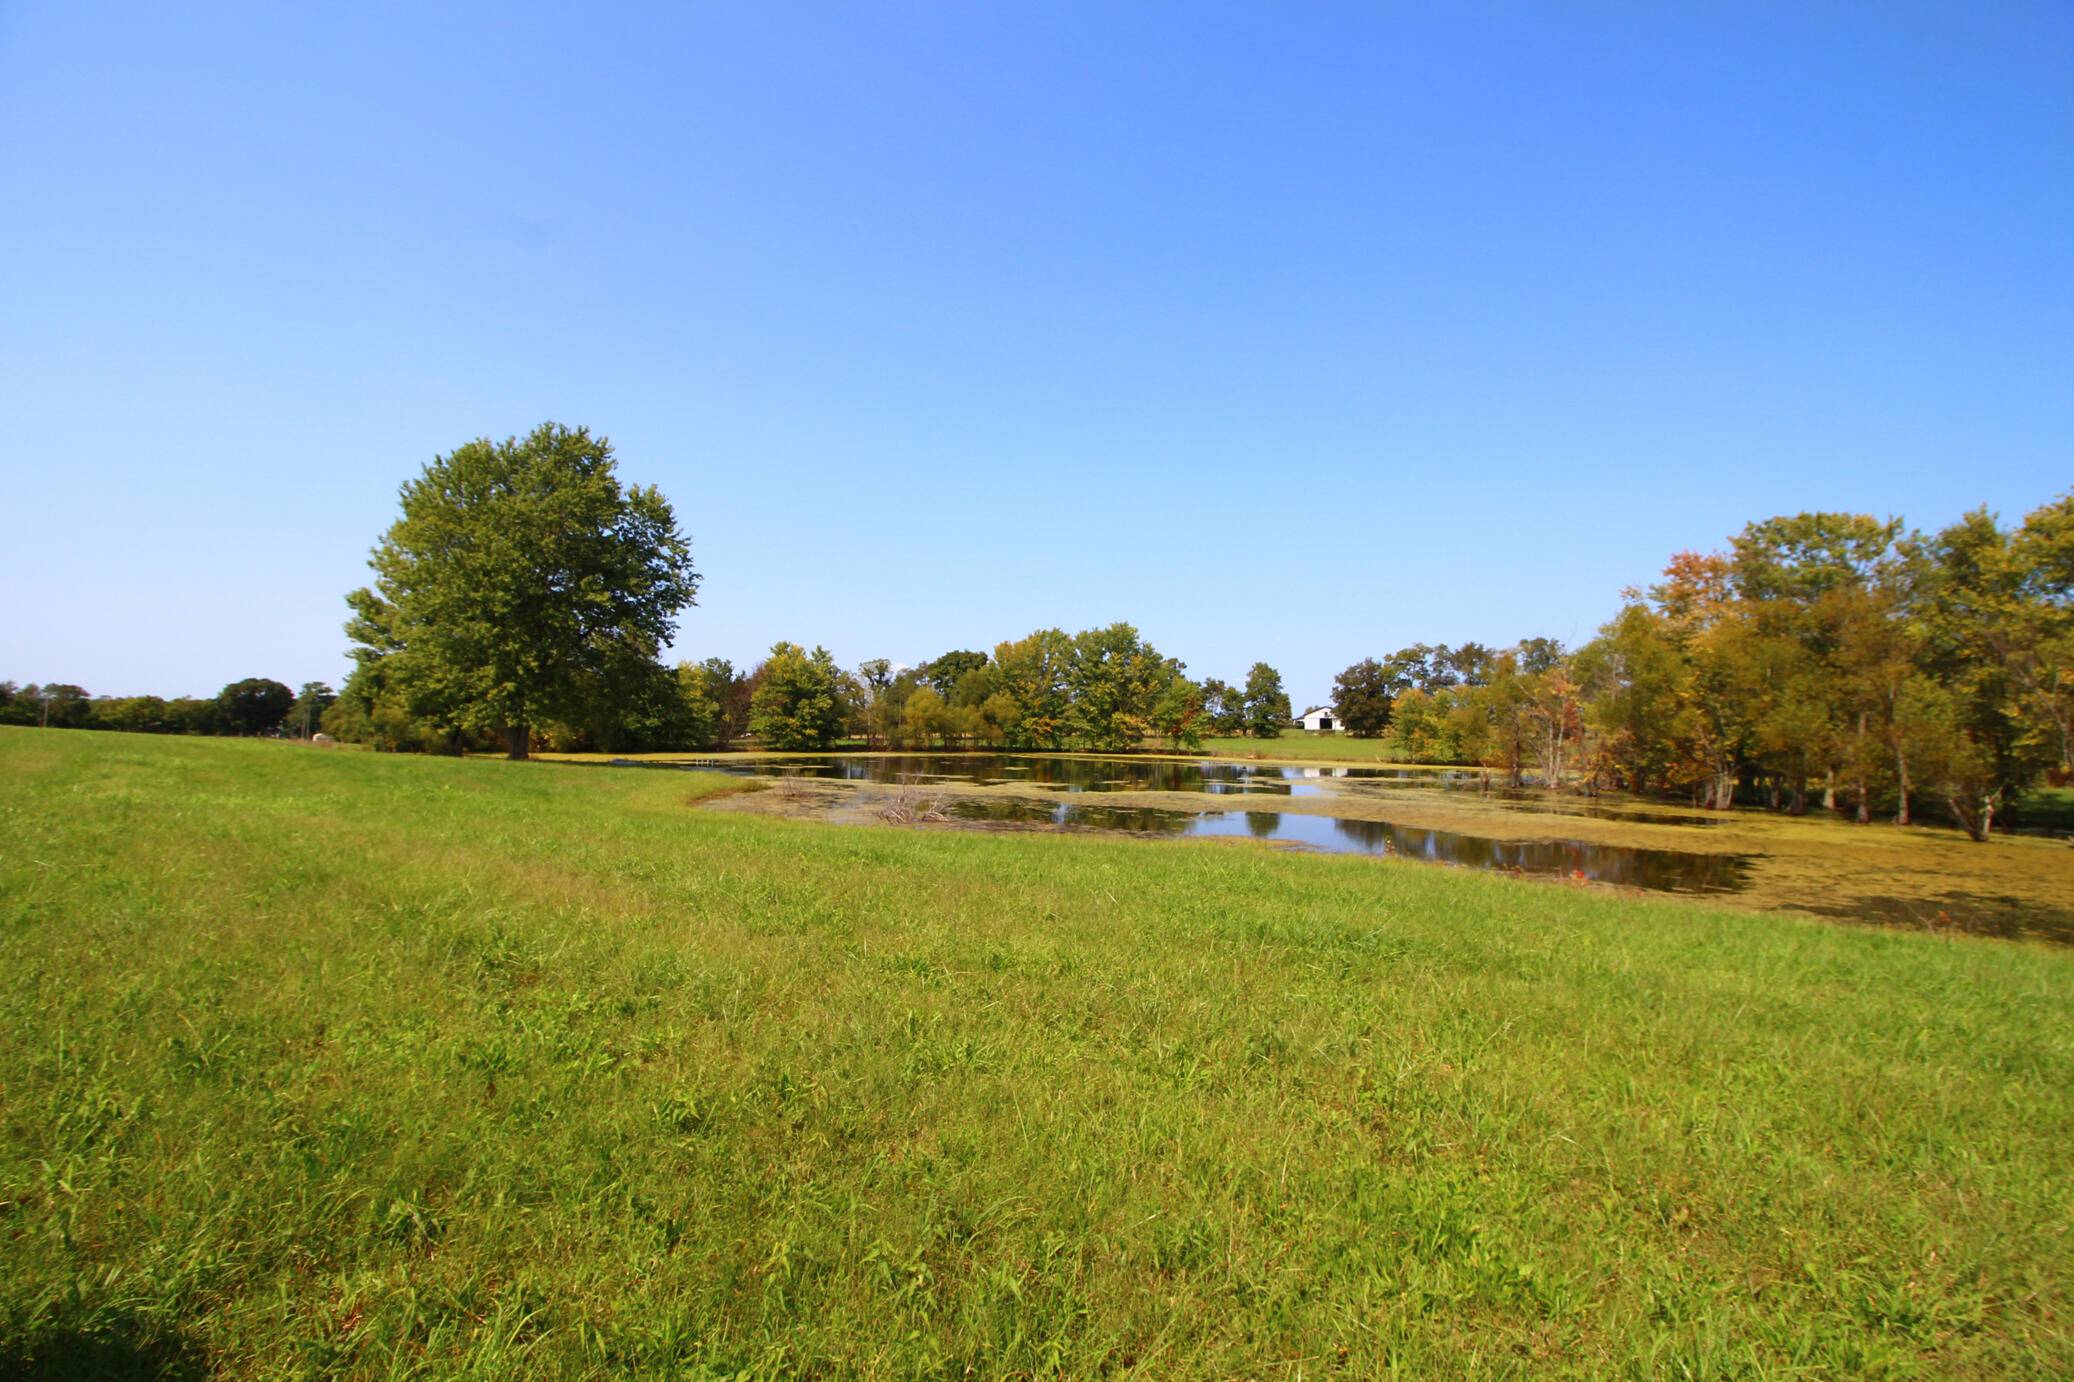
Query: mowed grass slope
x,y
340,1064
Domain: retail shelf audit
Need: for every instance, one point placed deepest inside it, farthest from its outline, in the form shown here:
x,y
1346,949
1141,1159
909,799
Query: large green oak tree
x,y
521,584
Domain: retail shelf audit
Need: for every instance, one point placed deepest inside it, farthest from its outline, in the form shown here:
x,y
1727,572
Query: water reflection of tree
x,y
1376,837
1646,868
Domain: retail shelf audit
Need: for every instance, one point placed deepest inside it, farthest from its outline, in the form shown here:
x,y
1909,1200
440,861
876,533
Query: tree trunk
x,y
517,739
1977,814
1901,783
1858,757
1828,790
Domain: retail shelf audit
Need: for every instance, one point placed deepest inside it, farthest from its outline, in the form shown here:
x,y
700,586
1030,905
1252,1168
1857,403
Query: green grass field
x,y
1301,746
330,1064
2049,808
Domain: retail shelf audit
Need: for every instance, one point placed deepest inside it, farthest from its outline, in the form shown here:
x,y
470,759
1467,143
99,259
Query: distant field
x,y
1297,745
326,1064
1304,746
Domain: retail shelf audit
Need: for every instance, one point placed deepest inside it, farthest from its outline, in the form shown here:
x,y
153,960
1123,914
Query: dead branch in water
x,y
910,807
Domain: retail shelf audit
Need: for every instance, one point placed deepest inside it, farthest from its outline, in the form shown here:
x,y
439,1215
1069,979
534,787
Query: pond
x,y
1057,773
1053,773
1666,870
1663,870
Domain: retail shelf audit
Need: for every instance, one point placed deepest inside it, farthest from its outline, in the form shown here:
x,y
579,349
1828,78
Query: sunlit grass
x,y
1303,746
320,1064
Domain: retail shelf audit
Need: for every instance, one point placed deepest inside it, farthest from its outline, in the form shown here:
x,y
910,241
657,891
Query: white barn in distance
x,y
1321,719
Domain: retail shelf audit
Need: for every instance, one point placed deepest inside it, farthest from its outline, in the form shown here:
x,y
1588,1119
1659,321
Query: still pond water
x,y
1660,869
1667,870
1085,774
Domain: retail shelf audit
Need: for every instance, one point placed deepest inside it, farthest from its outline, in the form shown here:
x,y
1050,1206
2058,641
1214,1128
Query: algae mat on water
x,y
335,1064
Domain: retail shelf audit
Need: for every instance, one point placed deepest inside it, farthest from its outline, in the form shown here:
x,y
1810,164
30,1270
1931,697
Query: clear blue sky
x,y
1288,332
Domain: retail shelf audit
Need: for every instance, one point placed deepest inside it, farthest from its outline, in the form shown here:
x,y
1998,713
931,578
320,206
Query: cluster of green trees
x,y
1101,689
1823,655
523,594
256,705
1259,708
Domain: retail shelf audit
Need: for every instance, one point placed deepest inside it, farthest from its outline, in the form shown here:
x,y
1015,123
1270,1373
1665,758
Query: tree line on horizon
x,y
253,706
523,596
1823,655
1102,689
